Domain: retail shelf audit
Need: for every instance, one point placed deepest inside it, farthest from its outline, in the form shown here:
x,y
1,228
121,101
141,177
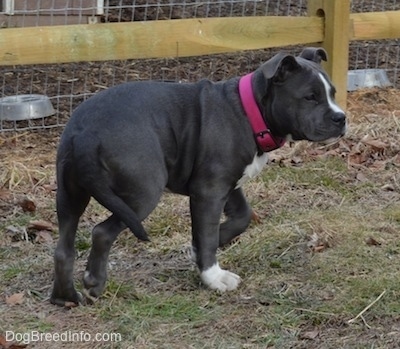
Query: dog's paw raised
x,y
93,286
220,279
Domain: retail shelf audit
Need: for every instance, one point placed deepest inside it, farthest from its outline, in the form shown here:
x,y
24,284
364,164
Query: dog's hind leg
x,y
141,203
238,215
103,236
70,206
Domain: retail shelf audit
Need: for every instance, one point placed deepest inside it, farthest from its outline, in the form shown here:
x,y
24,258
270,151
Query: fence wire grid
x,y
67,85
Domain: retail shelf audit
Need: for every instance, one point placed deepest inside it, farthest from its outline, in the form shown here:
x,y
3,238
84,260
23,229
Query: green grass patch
x,y
392,213
145,314
13,270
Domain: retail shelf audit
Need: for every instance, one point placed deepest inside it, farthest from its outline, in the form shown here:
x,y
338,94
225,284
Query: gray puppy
x,y
126,144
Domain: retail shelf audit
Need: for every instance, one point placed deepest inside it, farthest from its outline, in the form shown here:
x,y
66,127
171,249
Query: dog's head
x,y
297,97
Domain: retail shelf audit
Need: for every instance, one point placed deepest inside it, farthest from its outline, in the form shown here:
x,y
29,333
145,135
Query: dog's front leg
x,y
206,213
238,216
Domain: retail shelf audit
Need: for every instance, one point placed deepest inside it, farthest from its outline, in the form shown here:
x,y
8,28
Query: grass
x,y
392,213
319,271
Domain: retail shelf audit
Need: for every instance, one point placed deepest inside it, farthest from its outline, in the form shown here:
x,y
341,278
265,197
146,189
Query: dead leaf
x,y
16,298
50,187
5,194
255,218
319,248
10,345
374,143
357,158
41,225
3,342
378,165
27,205
43,237
310,334
370,241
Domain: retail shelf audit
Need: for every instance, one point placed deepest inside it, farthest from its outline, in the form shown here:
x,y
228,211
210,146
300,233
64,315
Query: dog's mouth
x,y
331,141
318,135
317,139
325,138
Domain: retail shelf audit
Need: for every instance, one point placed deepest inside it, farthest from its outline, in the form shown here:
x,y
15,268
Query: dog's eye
x,y
311,97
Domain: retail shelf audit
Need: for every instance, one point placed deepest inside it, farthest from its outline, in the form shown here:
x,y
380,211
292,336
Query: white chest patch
x,y
253,169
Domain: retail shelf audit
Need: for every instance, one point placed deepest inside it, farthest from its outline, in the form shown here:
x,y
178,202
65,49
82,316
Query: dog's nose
x,y
339,118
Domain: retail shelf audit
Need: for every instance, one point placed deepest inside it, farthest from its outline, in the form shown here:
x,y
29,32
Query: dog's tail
x,y
117,206
99,186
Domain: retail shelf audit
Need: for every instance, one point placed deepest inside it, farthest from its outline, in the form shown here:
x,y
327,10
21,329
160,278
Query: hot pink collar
x,y
265,140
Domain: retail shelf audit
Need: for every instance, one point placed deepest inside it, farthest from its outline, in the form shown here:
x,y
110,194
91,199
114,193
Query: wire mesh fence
x,y
67,85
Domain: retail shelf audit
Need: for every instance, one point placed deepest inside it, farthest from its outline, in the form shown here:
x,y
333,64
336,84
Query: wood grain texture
x,y
375,25
153,39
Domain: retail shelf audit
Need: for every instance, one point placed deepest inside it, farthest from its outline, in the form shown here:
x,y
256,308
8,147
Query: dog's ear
x,y
279,67
314,54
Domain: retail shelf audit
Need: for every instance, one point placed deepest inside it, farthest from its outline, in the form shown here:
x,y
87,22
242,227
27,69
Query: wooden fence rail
x,y
153,39
329,24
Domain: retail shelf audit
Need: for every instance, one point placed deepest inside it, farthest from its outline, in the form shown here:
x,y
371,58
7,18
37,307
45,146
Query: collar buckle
x,y
263,136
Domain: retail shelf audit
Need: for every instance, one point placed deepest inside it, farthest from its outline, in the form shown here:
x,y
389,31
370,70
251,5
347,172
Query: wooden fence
x,y
329,23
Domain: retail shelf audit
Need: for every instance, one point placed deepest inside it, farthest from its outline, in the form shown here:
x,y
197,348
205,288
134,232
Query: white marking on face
x,y
220,279
253,169
332,104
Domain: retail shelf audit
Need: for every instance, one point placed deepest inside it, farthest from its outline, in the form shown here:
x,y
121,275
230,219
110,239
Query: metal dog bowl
x,y
23,107
364,78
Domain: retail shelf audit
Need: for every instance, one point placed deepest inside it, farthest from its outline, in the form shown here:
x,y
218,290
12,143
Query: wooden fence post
x,y
336,14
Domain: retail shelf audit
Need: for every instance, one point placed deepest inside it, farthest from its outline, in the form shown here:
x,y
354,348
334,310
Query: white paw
x,y
220,279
